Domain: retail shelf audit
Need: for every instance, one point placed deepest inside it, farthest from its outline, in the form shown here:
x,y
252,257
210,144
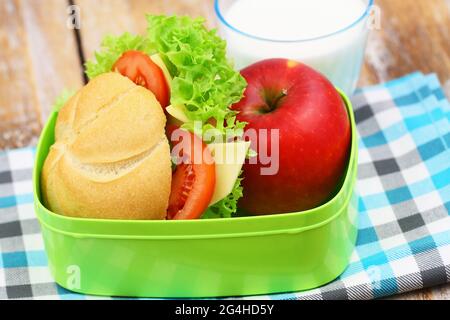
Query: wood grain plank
x,y
102,17
38,59
19,117
413,36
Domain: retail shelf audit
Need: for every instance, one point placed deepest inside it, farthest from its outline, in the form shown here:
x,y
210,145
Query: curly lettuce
x,y
204,80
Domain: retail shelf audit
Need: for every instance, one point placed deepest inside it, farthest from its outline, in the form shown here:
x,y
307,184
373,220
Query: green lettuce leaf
x,y
204,80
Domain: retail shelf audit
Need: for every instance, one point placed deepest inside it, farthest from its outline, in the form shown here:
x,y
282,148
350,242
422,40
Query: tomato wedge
x,y
193,180
139,68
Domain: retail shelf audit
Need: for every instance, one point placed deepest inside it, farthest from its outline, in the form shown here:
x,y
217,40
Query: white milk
x,y
285,26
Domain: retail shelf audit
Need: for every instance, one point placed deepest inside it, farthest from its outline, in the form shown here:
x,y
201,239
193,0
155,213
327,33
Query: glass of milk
x,y
329,35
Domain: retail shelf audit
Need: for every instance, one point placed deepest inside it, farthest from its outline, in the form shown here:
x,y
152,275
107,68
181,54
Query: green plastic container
x,y
200,258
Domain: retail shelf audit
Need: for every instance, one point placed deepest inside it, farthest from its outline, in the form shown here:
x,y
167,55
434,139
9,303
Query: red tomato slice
x,y
193,181
139,68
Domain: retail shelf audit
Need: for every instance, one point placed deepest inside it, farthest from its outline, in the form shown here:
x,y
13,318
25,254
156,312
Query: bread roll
x,y
111,158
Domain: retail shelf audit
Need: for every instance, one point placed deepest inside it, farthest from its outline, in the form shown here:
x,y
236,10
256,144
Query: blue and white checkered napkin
x,y
404,184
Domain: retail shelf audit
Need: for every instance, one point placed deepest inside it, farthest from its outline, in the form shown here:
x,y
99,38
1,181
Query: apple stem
x,y
273,102
280,96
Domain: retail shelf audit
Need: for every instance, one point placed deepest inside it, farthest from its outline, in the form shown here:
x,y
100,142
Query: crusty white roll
x,y
111,158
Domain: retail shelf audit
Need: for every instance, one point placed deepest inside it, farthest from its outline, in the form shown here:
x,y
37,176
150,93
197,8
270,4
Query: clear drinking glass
x,y
338,55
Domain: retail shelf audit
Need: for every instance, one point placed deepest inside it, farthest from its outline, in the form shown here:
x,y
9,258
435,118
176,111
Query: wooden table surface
x,y
40,55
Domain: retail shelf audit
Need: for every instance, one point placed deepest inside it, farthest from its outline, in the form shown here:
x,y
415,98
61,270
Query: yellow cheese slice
x,y
178,112
156,58
229,158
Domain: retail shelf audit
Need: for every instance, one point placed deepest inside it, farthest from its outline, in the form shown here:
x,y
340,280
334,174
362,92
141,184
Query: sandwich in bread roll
x,y
111,157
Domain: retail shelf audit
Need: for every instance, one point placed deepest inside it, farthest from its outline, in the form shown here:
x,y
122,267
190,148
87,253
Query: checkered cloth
x,y
404,186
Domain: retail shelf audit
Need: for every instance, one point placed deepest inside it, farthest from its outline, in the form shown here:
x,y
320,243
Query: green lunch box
x,y
201,258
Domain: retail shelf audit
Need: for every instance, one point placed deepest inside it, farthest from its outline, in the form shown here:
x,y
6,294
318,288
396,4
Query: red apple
x,y
314,136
